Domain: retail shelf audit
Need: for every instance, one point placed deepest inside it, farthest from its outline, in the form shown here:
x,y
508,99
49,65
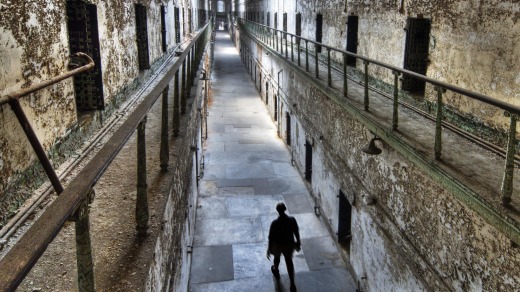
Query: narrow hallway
x,y
247,171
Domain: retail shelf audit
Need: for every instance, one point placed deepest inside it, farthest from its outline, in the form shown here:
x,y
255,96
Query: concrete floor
x,y
247,171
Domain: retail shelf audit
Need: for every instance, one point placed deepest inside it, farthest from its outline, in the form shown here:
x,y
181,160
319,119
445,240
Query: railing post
x,y
141,203
307,55
292,49
36,145
507,182
345,85
366,101
298,47
176,100
276,40
286,46
438,123
184,88
163,154
84,261
316,68
329,71
395,116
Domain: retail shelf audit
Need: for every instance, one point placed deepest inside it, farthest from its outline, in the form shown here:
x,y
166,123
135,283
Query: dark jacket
x,y
283,231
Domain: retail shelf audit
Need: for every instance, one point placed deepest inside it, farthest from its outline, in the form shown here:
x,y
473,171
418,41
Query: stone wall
x,y
34,47
408,232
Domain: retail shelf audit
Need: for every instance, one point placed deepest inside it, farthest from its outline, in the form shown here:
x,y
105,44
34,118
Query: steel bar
x,y
84,258
299,58
35,143
366,101
307,55
27,91
176,108
164,156
507,182
329,71
316,66
183,88
438,123
345,77
141,203
292,49
395,115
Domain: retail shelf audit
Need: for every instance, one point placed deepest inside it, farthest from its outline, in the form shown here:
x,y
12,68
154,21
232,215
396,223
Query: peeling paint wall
x,y
408,232
34,47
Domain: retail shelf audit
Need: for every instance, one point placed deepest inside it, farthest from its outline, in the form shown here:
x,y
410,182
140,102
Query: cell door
x,y
268,19
319,31
276,20
275,108
344,220
352,38
416,52
141,28
177,25
163,28
288,128
84,37
298,28
266,93
308,161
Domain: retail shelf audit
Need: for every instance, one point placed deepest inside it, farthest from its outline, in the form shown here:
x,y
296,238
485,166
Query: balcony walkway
x,y
247,171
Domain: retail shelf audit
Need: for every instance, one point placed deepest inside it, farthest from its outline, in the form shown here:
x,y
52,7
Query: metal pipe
x,y
345,85
23,92
329,73
141,202
164,155
35,143
438,124
366,101
507,182
395,116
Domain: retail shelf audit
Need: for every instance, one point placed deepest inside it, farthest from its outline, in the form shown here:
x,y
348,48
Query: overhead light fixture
x,y
371,148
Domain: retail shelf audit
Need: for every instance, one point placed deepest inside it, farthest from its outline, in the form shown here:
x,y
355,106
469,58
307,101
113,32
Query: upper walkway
x,y
247,171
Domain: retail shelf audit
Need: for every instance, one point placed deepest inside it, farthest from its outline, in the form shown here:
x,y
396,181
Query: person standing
x,y
284,238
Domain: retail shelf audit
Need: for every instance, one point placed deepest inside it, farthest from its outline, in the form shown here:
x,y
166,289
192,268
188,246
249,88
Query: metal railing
x,y
285,43
73,201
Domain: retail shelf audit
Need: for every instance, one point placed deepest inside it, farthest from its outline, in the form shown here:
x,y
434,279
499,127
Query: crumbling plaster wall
x,y
473,44
416,236
34,47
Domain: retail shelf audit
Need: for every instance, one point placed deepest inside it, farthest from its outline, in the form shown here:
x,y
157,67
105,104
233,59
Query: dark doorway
x,y
177,25
163,28
84,37
288,128
344,221
416,53
285,22
266,93
141,28
319,31
308,161
268,20
275,108
276,20
298,25
352,38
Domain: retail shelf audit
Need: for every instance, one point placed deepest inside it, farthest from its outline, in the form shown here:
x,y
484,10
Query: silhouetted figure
x,y
282,234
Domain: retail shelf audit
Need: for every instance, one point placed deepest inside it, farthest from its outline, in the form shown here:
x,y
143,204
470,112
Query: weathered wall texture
x,y
473,44
417,236
34,47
